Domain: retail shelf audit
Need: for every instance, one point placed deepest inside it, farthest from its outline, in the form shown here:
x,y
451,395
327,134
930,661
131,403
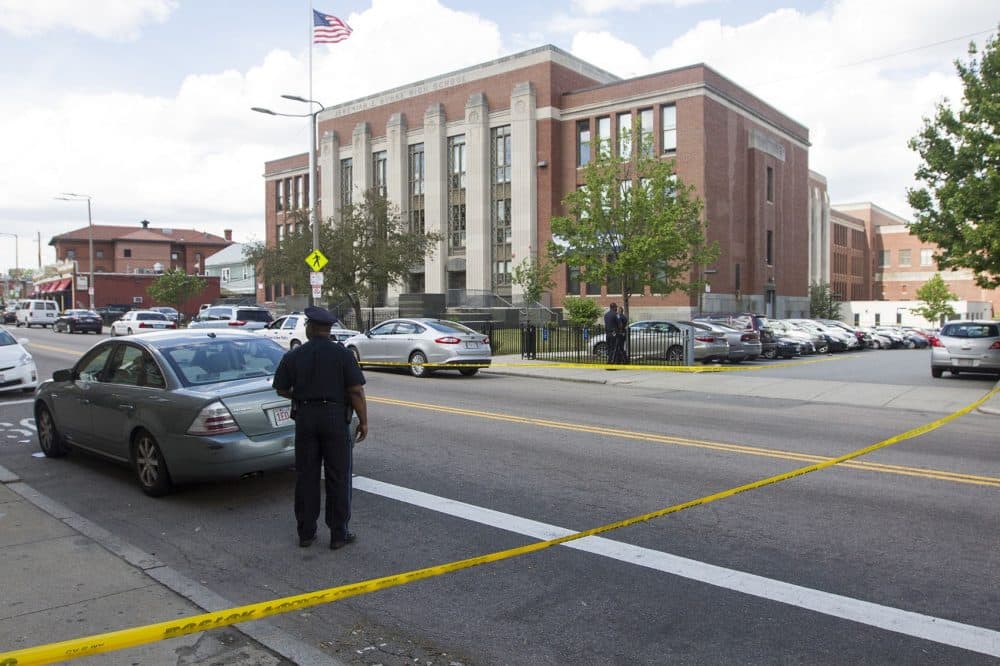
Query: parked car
x,y
856,332
966,346
17,367
141,321
747,321
176,406
828,340
289,331
71,321
113,312
171,313
36,312
422,341
791,334
10,313
665,340
244,317
744,345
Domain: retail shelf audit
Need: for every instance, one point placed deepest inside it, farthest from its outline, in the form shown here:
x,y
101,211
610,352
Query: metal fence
x,y
568,344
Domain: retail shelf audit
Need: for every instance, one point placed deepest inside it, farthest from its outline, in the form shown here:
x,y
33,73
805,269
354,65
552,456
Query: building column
x,y
524,177
362,161
329,177
436,198
478,247
397,188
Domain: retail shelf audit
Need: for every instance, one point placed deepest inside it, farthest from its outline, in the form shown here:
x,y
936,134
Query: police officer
x,y
324,383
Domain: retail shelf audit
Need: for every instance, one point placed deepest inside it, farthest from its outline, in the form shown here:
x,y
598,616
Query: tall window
x,y
456,194
346,182
927,257
380,171
500,222
646,131
770,185
770,247
416,187
582,143
668,118
904,257
573,280
883,258
604,136
625,135
279,194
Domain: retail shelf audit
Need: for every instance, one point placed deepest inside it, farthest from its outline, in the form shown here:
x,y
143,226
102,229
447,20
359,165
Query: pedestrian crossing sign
x,y
316,260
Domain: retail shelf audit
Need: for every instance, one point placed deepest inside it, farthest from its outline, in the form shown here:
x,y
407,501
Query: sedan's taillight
x,y
486,340
143,324
448,340
935,342
704,338
748,337
213,419
995,345
237,323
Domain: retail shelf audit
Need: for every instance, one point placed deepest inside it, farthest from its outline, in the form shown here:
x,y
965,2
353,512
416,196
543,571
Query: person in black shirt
x,y
612,339
324,382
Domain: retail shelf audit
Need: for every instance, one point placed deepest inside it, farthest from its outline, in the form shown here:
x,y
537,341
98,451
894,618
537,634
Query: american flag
x,y
328,29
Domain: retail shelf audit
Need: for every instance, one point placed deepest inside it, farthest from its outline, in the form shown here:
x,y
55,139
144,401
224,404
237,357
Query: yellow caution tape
x,y
600,366
124,638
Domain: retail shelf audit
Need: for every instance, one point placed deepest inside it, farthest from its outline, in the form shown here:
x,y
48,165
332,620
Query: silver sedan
x,y
966,346
665,340
176,406
425,345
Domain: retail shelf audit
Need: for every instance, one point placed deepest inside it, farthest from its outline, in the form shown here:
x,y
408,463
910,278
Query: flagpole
x,y
313,223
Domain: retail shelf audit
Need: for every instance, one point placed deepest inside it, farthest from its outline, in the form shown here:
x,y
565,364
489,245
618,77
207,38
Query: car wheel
x,y
70,329
293,344
51,442
955,373
910,344
150,467
822,349
418,365
675,354
769,353
936,372
601,351
468,372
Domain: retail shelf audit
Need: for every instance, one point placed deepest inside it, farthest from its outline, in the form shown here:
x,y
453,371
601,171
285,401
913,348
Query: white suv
x,y
233,317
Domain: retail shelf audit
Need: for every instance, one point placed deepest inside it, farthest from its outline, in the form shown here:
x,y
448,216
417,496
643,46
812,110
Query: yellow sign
x,y
316,260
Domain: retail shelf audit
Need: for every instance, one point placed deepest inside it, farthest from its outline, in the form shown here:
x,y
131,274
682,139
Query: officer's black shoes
x,y
305,542
336,544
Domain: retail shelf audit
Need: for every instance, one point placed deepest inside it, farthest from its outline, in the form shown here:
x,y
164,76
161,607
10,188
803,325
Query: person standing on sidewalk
x,y
611,336
324,382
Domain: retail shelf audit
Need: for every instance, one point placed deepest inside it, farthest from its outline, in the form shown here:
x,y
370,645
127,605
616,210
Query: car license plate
x,y
280,416
472,345
964,362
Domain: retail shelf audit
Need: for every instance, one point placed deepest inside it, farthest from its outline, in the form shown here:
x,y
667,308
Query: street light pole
x,y
70,196
313,189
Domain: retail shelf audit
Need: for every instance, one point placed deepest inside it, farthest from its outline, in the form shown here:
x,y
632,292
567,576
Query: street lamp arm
x,y
275,113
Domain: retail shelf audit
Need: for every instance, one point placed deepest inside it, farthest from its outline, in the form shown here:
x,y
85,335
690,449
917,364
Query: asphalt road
x,y
910,537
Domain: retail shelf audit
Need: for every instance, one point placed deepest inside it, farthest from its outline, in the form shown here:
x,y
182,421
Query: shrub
x,y
581,311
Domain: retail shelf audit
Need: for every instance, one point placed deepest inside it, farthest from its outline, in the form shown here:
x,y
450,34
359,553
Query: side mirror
x,y
368,333
23,341
62,376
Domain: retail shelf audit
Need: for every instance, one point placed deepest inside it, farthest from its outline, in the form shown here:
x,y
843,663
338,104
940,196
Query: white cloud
x,y
107,19
605,6
860,116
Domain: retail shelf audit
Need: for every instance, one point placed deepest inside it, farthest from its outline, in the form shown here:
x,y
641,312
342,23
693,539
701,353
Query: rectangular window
x,y
279,195
380,171
770,185
582,143
281,232
840,235
737,280
287,203
927,257
71,254
770,247
572,281
456,194
500,210
668,119
593,289
646,131
624,135
99,254
346,182
904,257
126,253
295,194
174,256
604,136
883,258
416,187
225,275
456,162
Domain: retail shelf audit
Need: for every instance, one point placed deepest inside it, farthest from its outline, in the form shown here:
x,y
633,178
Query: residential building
x,y
485,155
237,276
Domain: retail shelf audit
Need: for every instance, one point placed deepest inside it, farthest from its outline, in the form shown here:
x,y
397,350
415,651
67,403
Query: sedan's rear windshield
x,y
445,326
149,316
971,330
223,360
253,315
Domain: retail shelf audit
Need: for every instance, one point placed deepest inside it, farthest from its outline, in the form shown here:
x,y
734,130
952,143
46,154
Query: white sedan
x,y
290,331
141,321
17,368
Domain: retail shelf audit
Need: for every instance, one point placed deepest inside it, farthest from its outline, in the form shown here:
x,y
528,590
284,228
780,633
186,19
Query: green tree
x,y
935,296
581,311
534,276
823,303
957,205
633,224
368,249
175,288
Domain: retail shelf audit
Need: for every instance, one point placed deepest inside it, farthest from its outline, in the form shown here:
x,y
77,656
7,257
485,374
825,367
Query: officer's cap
x,y
318,315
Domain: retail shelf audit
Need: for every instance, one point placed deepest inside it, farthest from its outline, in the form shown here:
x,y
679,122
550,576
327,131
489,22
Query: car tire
x,y
601,352
70,329
49,439
468,372
675,354
293,344
937,372
823,349
955,373
418,365
769,353
149,466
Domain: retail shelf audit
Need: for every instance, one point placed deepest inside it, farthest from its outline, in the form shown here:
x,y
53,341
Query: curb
x,y
261,631
514,373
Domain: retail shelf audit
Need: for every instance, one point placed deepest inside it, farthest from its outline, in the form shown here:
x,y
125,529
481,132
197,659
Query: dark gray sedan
x,y
177,406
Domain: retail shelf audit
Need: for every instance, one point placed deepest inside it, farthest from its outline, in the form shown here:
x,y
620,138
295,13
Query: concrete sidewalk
x,y
64,577
935,399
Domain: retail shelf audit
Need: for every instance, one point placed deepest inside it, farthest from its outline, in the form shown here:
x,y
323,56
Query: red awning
x,y
63,284
47,287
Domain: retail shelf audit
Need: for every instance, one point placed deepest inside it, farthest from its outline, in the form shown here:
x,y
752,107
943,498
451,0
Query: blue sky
x,y
145,104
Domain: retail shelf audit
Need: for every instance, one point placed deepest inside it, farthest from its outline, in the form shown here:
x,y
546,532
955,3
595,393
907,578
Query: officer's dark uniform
x,y
319,373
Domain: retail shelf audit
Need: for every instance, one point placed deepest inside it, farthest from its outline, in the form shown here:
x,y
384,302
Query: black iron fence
x,y
569,344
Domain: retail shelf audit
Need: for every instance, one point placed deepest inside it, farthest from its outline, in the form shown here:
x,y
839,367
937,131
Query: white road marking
x,y
946,632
